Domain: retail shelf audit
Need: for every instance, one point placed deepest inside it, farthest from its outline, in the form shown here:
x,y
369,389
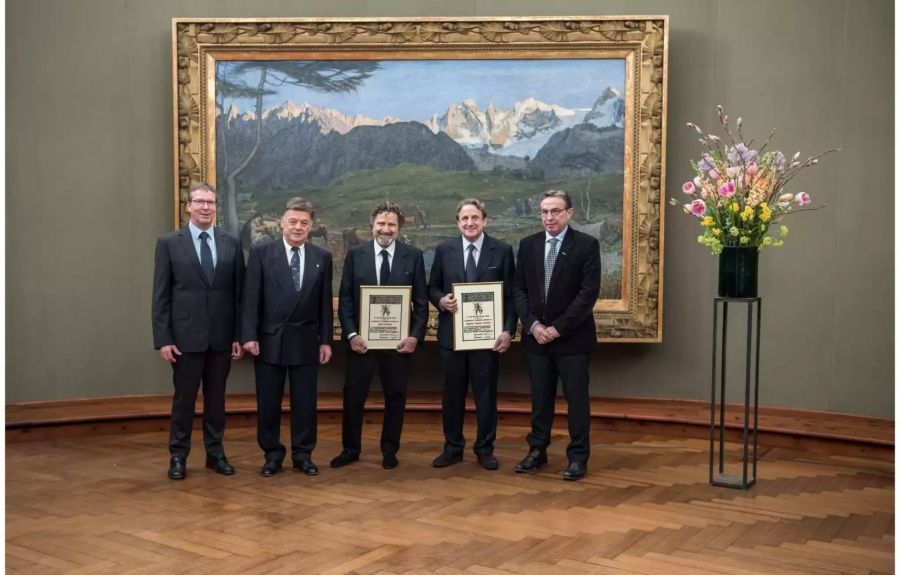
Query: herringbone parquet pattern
x,y
102,504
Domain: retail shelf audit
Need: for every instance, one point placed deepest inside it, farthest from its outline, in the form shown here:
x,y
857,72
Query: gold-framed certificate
x,y
384,315
479,316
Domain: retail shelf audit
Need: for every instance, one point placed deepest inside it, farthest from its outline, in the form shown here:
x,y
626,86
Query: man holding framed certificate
x,y
383,310
471,284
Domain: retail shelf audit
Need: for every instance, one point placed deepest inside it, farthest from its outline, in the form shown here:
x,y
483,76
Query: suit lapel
x,y
310,272
221,252
190,252
488,247
278,261
369,272
400,255
456,257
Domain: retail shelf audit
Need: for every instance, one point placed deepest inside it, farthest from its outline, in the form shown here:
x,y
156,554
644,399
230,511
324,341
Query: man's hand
x,y
358,344
252,347
408,345
552,333
237,352
448,303
502,343
325,353
168,353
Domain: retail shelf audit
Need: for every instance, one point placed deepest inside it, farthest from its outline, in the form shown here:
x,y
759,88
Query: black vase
x,y
738,272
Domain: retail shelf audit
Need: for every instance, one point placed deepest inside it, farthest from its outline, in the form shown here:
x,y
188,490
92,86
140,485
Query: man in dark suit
x,y
288,320
382,261
473,257
196,291
556,285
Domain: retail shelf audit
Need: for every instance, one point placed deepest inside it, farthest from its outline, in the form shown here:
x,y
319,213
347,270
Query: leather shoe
x,y
488,461
389,461
307,467
575,471
535,459
219,464
446,460
177,468
270,468
343,458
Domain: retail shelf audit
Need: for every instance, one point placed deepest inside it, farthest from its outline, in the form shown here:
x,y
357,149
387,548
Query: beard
x,y
383,240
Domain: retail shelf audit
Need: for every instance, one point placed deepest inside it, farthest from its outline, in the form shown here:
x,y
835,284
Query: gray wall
x,y
89,188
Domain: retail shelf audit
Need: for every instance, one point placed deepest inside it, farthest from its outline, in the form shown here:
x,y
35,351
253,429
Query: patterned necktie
x,y
548,266
385,269
470,264
295,267
206,260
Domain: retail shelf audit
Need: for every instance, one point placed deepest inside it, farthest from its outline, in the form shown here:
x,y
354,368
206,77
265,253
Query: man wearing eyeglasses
x,y
288,319
197,282
556,284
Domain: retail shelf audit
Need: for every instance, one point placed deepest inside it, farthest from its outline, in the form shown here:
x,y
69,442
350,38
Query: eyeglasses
x,y
554,212
204,203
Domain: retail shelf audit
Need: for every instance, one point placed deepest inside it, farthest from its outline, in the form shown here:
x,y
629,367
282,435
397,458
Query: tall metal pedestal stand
x,y
717,475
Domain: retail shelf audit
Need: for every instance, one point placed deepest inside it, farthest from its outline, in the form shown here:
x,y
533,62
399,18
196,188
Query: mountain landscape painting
x,y
346,134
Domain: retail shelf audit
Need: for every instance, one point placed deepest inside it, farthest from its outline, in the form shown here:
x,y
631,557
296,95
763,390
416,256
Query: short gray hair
x,y
301,205
558,194
201,187
471,202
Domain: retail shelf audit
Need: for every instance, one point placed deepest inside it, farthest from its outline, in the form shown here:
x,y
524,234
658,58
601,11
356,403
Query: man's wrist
x,y
351,336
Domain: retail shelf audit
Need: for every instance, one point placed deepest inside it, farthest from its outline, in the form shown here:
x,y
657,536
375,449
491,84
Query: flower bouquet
x,y
739,197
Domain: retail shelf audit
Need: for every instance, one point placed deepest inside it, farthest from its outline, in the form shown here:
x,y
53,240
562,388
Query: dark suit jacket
x,y
574,287
495,264
189,311
289,326
407,269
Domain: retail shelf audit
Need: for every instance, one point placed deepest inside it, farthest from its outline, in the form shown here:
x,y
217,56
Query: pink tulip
x,y
698,208
726,190
733,171
714,174
802,199
688,188
698,183
752,169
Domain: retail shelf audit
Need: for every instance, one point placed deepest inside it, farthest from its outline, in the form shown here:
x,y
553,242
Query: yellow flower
x,y
747,214
707,221
716,231
765,213
735,207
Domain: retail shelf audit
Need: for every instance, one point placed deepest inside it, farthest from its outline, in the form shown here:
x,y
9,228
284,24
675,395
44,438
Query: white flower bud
x,y
740,121
796,156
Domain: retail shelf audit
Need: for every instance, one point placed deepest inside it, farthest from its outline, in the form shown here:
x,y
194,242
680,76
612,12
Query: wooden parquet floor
x,y
103,504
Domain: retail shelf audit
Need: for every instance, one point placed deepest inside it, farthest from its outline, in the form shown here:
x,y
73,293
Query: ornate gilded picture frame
x,y
428,111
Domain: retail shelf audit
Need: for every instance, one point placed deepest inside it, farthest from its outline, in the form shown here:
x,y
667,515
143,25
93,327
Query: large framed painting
x,y
426,112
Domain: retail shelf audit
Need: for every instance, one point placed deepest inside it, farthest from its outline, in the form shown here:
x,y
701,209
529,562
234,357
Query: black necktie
x,y
385,268
295,267
470,264
206,261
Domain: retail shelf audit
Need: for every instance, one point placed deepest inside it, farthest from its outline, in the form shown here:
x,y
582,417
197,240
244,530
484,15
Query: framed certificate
x,y
479,317
384,315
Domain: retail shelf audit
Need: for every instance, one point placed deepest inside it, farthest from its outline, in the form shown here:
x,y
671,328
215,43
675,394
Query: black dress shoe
x,y
219,464
270,468
389,461
446,460
343,458
307,467
177,468
575,471
488,461
535,459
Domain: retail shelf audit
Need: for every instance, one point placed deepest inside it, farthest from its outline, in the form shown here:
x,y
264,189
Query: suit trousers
x,y
393,367
544,370
461,367
190,371
269,394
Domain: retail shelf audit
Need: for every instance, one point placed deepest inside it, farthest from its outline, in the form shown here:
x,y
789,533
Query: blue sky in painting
x,y
417,89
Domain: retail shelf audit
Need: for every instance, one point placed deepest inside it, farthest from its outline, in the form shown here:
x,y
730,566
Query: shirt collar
x,y
390,248
478,243
560,236
288,247
195,231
